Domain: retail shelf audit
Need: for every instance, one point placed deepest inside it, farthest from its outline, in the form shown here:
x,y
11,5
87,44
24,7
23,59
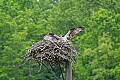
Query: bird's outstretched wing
x,y
50,37
73,32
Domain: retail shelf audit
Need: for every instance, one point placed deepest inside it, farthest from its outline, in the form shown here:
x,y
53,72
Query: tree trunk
x,y
69,70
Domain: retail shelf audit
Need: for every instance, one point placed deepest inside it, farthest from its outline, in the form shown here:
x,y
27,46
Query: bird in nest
x,y
53,37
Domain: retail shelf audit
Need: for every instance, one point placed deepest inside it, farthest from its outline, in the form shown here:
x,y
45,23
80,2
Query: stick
x,y
61,72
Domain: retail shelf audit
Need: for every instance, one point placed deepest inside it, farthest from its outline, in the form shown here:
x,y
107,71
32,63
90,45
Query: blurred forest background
x,y
23,21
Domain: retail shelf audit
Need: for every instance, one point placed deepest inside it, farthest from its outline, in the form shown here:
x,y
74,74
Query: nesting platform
x,y
51,52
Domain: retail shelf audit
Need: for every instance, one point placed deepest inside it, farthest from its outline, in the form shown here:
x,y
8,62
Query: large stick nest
x,y
52,52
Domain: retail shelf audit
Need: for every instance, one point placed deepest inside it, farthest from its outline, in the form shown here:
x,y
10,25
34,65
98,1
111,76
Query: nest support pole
x,y
69,70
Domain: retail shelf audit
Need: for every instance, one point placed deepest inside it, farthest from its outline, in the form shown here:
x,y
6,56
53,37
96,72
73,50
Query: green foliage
x,y
23,21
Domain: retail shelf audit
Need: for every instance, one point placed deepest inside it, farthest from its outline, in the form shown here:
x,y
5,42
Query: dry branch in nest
x,y
51,52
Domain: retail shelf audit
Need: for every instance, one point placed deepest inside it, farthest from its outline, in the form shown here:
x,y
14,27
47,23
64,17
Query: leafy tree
x,y
23,21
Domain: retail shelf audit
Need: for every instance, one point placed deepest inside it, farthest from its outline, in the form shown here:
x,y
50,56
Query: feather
x,y
73,32
50,37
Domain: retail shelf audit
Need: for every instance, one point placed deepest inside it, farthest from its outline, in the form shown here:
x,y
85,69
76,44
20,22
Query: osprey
x,y
53,37
50,37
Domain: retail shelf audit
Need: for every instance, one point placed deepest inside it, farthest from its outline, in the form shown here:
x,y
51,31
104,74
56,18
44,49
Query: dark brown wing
x,y
73,32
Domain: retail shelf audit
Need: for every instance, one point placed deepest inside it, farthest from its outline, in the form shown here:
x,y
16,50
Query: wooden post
x,y
69,70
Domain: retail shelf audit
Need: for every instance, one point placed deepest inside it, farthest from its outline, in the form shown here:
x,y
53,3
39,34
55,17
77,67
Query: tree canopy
x,y
23,21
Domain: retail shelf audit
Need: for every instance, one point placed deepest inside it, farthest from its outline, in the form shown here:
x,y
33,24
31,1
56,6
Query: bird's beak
x,y
82,29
